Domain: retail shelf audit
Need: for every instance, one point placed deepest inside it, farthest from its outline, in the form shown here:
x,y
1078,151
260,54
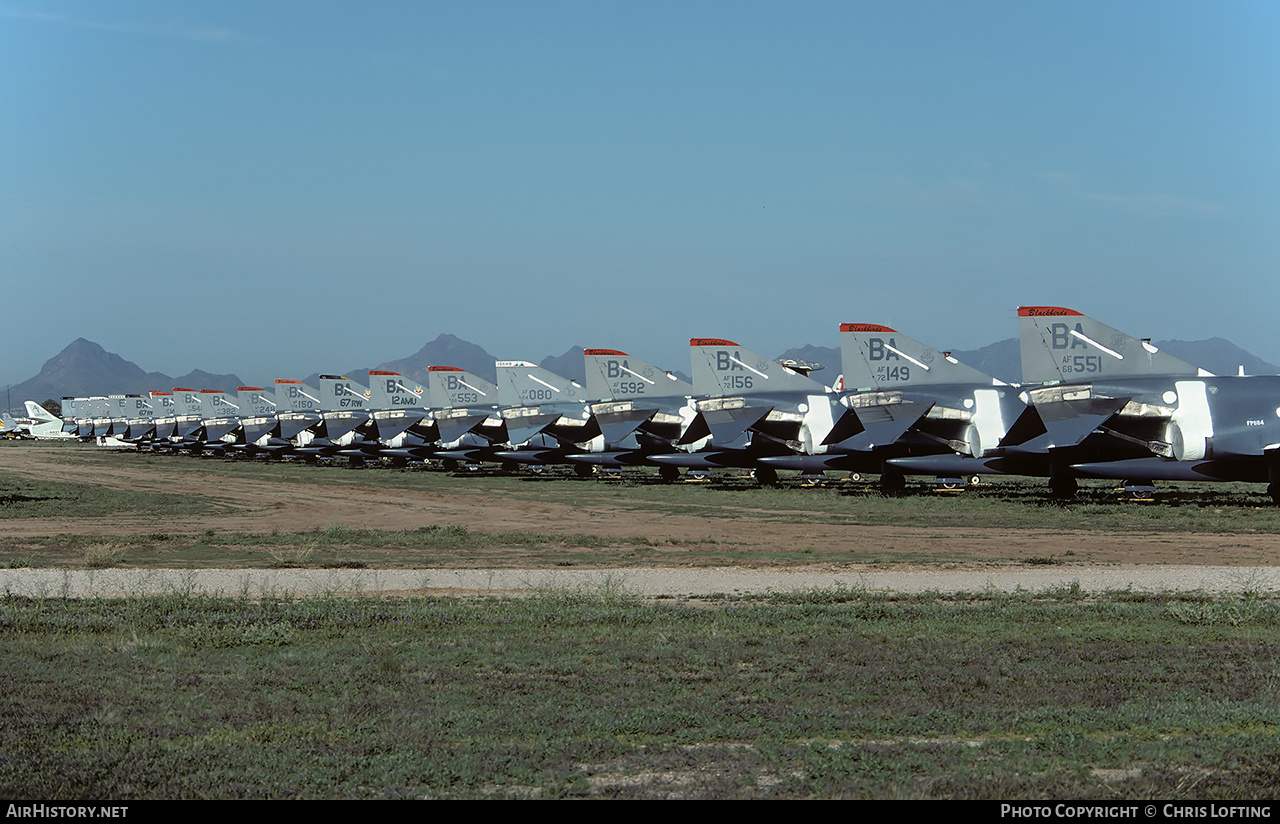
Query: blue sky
x,y
274,189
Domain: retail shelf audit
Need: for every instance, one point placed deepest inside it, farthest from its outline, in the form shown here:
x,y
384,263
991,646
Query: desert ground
x,y
246,505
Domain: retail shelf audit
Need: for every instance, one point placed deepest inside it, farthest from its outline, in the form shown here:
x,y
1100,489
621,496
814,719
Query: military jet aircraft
x,y
10,427
640,411
297,408
1180,422
546,415
398,405
1105,404
903,398
44,424
749,407
467,428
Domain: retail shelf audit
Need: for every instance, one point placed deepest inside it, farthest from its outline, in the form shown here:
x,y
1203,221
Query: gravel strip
x,y
667,582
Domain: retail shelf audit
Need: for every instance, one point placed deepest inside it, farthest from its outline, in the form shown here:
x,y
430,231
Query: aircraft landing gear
x,y
584,470
669,473
1139,491
893,481
1274,491
1063,487
766,476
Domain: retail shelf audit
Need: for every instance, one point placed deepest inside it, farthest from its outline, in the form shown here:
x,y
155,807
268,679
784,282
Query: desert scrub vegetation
x,y
597,693
337,546
27,498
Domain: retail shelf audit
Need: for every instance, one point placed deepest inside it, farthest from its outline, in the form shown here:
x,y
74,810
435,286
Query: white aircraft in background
x,y
10,428
39,423
44,424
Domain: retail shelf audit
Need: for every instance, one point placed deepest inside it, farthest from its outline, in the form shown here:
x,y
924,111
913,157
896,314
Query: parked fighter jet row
x,y
1094,403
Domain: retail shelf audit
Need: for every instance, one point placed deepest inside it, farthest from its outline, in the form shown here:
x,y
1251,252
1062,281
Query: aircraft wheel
x,y
974,480
855,476
510,466
450,465
1063,487
584,470
766,476
1274,491
891,481
669,473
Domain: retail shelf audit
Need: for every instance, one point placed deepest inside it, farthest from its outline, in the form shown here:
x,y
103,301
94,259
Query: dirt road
x,y
251,505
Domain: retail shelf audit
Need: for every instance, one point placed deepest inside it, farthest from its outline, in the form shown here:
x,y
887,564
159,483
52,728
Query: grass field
x,y
572,694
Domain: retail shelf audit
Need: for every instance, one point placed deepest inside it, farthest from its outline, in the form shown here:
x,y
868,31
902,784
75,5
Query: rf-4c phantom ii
x,y
639,410
749,407
902,399
1104,404
1192,425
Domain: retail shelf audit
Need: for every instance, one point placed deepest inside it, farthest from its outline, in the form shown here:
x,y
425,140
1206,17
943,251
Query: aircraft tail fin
x,y
723,368
525,384
339,392
391,390
614,375
1062,345
877,358
449,387
187,401
295,396
37,412
219,404
162,405
255,402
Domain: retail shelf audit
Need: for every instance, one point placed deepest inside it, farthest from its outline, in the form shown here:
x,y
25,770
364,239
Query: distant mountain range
x,y
85,368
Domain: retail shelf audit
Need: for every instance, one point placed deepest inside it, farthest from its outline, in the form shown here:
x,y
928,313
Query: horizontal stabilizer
x,y
616,425
1070,422
454,426
881,425
724,420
